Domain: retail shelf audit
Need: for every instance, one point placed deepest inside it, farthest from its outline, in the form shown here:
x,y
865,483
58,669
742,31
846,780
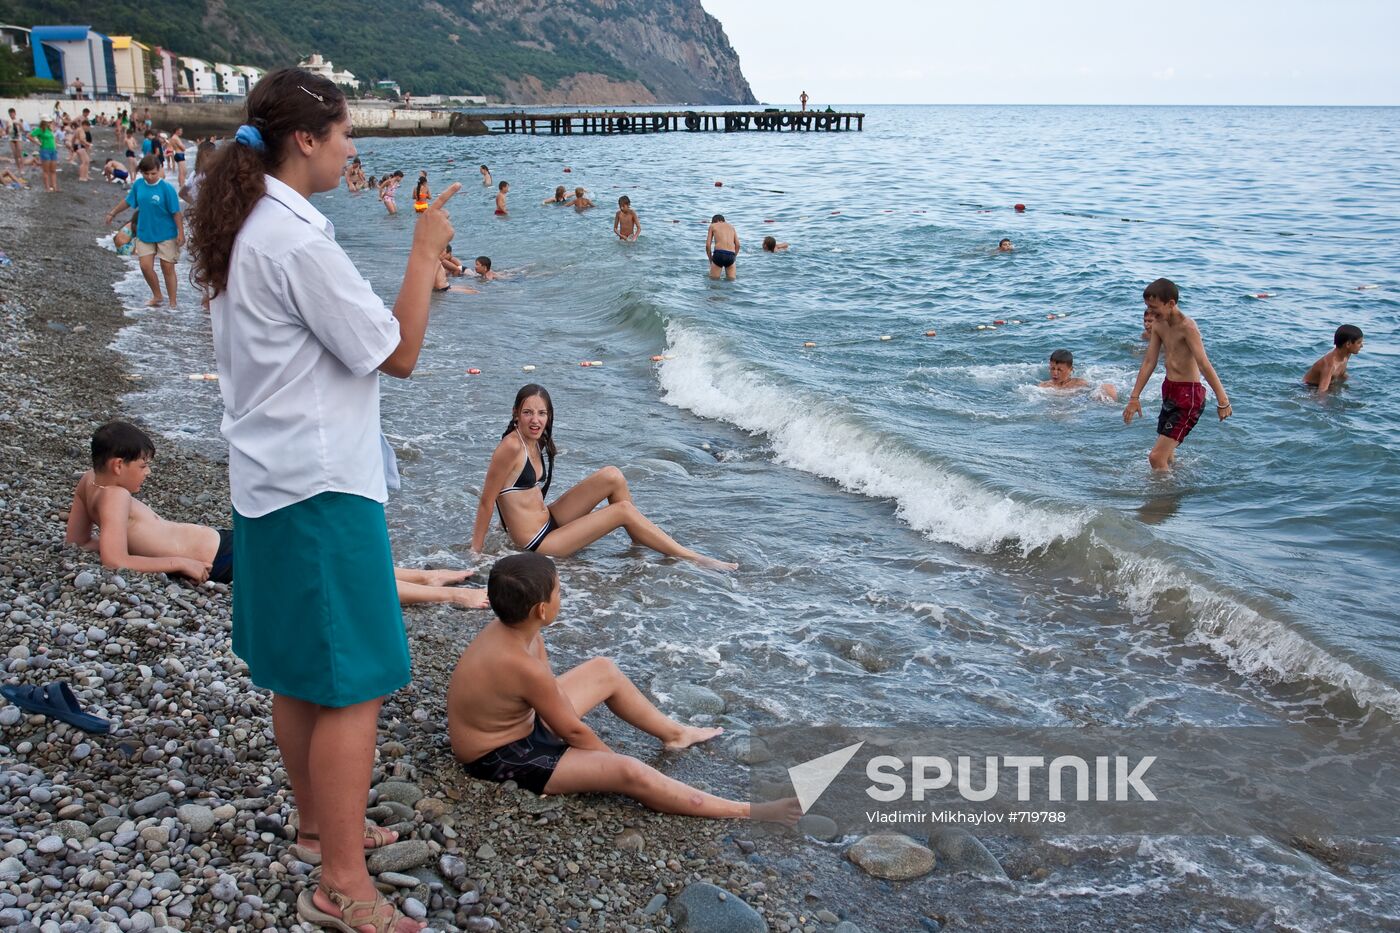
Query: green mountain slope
x,y
533,51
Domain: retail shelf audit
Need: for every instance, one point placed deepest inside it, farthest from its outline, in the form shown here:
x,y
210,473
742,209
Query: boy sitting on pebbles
x,y
510,719
131,536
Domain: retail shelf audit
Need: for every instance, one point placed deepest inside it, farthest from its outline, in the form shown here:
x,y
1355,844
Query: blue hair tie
x,y
250,137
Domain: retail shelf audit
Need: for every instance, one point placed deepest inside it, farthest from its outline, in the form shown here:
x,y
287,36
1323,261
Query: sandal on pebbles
x,y
378,913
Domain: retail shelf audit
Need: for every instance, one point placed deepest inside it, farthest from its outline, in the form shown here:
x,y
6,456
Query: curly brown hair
x,y
283,102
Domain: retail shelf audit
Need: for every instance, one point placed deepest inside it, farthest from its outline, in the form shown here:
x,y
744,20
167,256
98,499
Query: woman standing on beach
x,y
516,487
300,339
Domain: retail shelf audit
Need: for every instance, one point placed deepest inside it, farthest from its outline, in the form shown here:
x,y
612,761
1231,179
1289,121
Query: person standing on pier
x,y
300,338
803,98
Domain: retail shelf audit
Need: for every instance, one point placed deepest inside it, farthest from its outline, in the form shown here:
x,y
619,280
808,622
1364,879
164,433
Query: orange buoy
x,y
1049,317
770,221
1020,208
998,322
567,169
585,363
473,372
719,184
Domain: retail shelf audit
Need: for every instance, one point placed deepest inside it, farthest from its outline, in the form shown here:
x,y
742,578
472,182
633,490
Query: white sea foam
x,y
1251,643
821,438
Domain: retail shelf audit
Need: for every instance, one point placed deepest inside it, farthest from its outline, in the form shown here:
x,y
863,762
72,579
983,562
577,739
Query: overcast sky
x,y
1068,51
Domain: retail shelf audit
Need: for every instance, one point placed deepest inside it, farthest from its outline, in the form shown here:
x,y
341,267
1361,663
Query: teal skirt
x,y
315,607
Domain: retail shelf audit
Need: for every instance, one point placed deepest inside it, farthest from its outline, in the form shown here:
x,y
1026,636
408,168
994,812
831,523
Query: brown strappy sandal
x,y
376,834
378,913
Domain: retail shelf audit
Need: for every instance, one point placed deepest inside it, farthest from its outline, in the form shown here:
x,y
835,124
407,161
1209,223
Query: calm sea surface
x,y
923,533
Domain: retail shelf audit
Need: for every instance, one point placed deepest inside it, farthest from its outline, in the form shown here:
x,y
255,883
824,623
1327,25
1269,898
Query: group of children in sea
x,y
300,338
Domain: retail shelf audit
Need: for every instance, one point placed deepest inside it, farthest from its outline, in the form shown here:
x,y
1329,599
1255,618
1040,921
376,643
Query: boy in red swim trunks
x,y
1183,396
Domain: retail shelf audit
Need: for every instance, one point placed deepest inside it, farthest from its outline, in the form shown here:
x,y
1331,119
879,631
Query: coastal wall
x,y
221,119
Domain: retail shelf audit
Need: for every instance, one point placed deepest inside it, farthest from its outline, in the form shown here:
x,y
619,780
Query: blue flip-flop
x,y
55,700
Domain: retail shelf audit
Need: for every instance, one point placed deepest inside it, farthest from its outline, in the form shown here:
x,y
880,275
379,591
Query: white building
x,y
16,37
323,67
231,80
200,76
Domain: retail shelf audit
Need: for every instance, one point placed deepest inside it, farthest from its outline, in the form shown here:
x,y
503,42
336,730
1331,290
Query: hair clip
x,y
314,94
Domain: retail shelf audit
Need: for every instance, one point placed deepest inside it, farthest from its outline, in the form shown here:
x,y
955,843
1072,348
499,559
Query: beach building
x,y
318,65
169,76
200,77
251,75
231,80
69,54
16,37
134,78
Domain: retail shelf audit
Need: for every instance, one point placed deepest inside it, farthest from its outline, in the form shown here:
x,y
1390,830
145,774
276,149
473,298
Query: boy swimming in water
x,y
722,248
510,719
625,222
1005,246
131,536
485,177
1183,396
482,268
501,190
581,200
771,245
440,283
1062,377
1332,367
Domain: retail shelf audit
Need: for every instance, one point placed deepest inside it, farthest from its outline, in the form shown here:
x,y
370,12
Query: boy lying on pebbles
x,y
511,719
131,536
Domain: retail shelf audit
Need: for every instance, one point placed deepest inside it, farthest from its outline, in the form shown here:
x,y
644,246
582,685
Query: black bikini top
x,y
527,478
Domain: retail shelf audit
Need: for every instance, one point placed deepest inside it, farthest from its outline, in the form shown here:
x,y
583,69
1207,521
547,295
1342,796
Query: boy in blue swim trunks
x,y
510,719
131,536
722,246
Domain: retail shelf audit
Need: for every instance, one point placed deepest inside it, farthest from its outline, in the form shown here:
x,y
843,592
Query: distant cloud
x,y
1165,75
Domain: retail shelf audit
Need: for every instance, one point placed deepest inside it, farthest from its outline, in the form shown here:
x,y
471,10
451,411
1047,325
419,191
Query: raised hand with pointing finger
x,y
431,233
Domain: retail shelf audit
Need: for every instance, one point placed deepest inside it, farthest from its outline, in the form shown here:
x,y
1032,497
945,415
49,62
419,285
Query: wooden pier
x,y
610,123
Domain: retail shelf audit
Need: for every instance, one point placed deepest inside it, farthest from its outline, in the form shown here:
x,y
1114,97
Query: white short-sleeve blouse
x,y
299,336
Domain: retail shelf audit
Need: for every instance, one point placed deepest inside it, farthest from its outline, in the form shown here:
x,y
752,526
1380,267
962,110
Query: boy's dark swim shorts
x,y
528,762
1182,404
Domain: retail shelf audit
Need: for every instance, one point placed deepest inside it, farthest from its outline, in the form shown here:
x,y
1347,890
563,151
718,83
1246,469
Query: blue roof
x,y
59,33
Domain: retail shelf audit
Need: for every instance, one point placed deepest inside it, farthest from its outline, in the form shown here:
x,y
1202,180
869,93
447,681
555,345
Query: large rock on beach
x,y
705,908
959,851
399,792
891,856
400,856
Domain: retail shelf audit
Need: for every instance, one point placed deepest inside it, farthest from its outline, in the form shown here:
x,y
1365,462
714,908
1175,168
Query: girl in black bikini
x,y
518,479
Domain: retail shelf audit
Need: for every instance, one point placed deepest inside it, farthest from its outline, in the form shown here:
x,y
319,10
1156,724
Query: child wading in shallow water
x,y
1183,396
625,222
160,227
1332,367
511,719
